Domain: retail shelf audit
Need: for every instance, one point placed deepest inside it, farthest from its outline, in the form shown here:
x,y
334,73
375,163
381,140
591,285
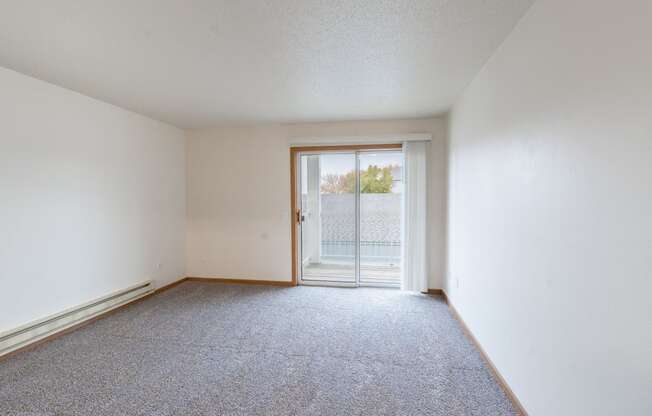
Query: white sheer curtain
x,y
414,262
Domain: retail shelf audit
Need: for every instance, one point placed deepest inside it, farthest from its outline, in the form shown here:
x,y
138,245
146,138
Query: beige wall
x,y
91,199
551,208
238,193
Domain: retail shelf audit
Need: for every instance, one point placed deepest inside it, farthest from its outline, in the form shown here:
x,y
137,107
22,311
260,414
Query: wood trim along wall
x,y
90,320
293,212
501,380
168,286
240,281
293,186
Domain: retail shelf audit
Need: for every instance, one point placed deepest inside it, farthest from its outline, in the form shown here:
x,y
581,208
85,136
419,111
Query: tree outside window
x,y
373,180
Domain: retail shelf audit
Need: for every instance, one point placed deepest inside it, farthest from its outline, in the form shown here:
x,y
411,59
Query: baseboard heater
x,y
34,331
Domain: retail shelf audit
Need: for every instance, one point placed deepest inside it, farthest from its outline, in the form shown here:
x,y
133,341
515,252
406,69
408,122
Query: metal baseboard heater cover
x,y
34,331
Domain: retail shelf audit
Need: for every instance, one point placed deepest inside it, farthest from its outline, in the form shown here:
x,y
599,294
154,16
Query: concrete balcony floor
x,y
344,272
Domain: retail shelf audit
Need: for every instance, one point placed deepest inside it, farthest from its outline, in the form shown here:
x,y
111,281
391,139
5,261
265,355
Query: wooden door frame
x,y
294,220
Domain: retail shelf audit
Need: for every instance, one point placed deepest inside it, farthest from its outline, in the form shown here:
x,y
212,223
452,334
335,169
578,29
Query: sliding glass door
x,y
381,195
328,218
350,207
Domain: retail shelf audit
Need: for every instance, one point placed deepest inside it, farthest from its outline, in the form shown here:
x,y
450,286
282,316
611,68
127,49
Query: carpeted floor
x,y
214,349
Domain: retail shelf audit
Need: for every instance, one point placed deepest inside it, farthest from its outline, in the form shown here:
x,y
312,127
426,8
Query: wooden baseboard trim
x,y
89,321
169,285
439,292
241,281
501,380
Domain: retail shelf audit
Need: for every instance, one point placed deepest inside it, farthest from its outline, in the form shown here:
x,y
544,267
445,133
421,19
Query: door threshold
x,y
380,285
349,285
327,284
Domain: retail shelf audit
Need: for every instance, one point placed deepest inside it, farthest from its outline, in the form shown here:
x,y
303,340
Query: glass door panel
x,y
381,193
328,218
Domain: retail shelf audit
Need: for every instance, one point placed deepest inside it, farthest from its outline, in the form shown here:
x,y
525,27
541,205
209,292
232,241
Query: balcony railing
x,y
381,251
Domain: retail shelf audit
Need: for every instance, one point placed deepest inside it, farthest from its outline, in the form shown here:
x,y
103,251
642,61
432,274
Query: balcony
x,y
379,263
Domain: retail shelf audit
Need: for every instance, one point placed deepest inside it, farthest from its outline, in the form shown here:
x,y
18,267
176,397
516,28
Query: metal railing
x,y
385,251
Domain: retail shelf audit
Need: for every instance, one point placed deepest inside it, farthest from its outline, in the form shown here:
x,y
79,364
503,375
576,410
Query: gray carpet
x,y
213,349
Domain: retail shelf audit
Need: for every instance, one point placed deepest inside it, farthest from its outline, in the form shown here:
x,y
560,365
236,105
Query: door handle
x,y
300,217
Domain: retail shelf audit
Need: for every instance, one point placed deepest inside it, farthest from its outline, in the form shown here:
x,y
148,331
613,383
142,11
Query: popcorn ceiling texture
x,y
198,63
214,349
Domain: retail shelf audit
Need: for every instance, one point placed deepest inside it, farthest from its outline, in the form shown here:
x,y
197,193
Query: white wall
x,y
550,215
238,187
91,199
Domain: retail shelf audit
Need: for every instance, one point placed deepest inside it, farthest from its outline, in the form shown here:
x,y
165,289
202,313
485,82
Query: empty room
x,y
306,207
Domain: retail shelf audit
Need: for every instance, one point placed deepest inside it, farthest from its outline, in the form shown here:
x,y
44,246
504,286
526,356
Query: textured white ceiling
x,y
196,63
